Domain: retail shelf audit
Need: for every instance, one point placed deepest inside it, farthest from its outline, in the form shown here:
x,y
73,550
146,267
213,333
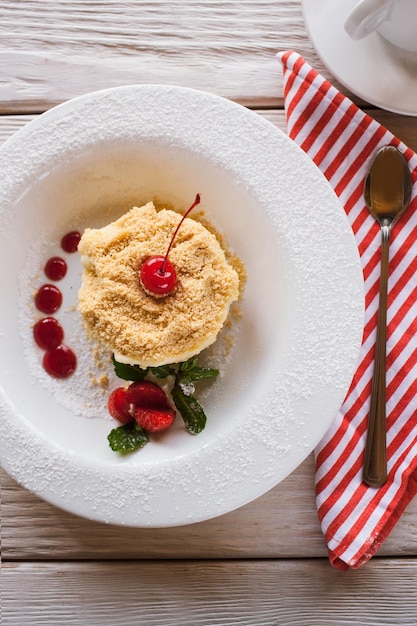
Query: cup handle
x,y
367,16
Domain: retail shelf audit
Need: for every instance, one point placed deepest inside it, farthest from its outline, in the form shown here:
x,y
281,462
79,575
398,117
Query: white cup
x,y
395,21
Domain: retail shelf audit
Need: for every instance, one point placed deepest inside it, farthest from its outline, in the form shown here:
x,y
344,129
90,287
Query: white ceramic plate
x,y
371,68
296,345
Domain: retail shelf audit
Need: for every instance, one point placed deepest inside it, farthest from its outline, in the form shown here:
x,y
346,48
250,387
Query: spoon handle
x,y
375,460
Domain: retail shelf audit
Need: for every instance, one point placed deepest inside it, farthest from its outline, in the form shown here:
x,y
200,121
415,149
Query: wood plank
x,y
53,51
243,593
280,524
48,49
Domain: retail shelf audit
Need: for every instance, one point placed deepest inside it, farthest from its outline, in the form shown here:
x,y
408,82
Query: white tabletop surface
x,y
266,563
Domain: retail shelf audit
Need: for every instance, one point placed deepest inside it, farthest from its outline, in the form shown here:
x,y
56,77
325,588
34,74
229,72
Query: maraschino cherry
x,y
157,274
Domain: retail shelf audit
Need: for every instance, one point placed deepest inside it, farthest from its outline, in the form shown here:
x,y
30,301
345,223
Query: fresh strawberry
x,y
146,395
119,405
154,420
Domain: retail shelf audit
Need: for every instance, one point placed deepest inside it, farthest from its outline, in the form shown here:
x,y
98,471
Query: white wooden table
x,y
265,564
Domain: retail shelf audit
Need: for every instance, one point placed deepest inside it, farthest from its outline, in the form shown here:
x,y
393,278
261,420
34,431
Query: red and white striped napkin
x,y
342,141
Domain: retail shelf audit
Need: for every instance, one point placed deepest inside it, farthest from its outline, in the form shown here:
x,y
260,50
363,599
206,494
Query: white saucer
x,y
371,68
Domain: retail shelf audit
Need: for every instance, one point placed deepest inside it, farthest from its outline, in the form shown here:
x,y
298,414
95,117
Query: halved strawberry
x,y
154,420
146,394
119,405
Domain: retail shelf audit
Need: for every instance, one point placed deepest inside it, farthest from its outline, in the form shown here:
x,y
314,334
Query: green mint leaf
x,y
187,365
200,373
191,411
189,371
128,372
162,371
187,386
127,438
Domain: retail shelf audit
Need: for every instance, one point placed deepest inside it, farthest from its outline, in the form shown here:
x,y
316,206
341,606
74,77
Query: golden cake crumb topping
x,y
136,326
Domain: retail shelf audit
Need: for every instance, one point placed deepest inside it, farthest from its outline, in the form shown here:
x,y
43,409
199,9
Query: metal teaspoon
x,y
387,195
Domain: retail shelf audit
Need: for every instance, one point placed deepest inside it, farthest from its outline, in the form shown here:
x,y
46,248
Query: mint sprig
x,y
127,438
130,437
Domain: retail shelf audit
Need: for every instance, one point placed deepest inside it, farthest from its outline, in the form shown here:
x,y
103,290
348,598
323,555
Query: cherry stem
x,y
161,270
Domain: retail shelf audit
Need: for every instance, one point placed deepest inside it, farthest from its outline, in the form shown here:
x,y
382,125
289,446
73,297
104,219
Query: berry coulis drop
x,y
60,362
48,299
70,241
48,333
157,273
55,268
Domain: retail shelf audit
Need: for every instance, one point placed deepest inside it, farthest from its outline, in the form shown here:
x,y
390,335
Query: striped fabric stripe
x,y
342,140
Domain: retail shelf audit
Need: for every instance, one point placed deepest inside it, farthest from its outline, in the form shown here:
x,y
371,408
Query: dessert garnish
x,y
154,420
60,362
70,241
143,407
48,299
146,394
55,268
157,273
118,405
48,333
127,438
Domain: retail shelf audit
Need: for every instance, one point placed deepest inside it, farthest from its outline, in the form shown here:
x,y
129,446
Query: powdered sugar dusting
x,y
81,393
86,392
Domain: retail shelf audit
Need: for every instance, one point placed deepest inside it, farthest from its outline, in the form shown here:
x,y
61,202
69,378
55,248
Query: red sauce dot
x,y
55,268
48,299
60,362
154,280
48,333
70,241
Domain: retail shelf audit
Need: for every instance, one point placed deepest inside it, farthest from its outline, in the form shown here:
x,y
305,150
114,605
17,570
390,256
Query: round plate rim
x,y
93,472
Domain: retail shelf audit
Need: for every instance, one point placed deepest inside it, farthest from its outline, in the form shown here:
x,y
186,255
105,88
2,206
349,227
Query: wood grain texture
x,y
209,593
282,523
243,571
52,50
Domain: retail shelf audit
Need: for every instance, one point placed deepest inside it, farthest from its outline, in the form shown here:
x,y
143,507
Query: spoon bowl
x,y
388,185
